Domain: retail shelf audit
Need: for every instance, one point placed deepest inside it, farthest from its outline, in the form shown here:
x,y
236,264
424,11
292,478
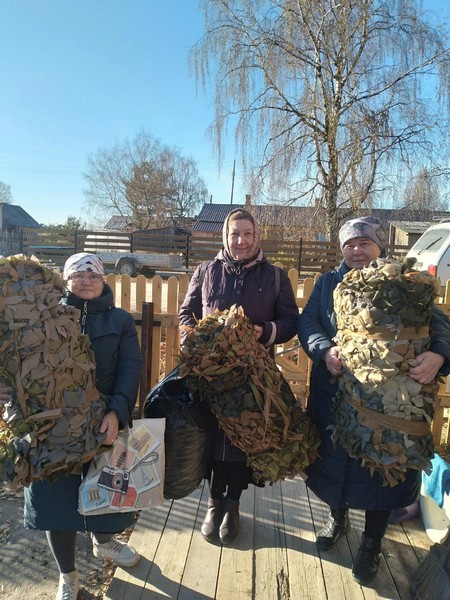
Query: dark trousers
x,y
228,477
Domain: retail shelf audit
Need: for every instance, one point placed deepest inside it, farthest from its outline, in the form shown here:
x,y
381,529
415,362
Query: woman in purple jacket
x,y
240,275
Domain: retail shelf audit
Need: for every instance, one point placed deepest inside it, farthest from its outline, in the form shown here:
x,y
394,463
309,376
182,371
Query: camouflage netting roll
x,y
248,395
383,416
50,425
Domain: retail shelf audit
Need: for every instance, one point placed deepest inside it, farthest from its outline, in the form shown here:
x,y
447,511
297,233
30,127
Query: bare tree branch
x,y
323,96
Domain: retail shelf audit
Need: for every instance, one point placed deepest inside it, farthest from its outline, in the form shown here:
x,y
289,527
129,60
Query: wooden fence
x,y
156,315
10,241
306,256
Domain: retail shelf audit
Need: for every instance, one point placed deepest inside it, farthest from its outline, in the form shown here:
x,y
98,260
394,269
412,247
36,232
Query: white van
x,y
432,251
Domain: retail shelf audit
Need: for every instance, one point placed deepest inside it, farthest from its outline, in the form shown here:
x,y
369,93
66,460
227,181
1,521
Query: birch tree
x,y
327,100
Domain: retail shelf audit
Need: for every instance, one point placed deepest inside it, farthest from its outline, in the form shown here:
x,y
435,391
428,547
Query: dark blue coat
x,y
114,341
335,478
217,285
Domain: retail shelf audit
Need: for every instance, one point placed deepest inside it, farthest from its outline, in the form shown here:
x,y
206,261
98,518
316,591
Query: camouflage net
x,y
50,424
248,395
382,415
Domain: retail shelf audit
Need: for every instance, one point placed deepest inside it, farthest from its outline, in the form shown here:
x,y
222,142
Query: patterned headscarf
x,y
363,227
234,215
83,262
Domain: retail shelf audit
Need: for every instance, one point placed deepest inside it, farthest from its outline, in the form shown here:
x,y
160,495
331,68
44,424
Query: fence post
x,y
146,351
299,266
188,241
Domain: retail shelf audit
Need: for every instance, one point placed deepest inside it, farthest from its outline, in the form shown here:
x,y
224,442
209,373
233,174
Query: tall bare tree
x,y
187,188
422,193
6,196
322,95
143,180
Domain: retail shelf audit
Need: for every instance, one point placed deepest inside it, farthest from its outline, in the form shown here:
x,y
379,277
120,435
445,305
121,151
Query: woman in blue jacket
x,y
239,275
335,477
53,506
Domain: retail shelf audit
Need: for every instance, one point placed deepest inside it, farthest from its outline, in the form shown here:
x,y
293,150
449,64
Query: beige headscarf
x,y
235,215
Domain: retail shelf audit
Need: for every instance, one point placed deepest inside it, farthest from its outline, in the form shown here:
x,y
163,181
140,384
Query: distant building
x,y
13,217
118,223
295,222
12,221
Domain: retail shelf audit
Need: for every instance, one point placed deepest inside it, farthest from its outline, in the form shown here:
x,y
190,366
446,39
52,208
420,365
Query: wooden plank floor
x,y
273,558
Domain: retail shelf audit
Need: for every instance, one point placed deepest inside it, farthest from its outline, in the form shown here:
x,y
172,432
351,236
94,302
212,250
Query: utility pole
x,y
232,181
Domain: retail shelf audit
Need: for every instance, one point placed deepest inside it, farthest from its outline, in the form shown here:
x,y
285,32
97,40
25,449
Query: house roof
x,y
212,216
411,226
170,230
391,215
118,222
16,216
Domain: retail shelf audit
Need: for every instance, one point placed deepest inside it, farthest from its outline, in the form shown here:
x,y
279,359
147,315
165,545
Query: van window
x,y
433,240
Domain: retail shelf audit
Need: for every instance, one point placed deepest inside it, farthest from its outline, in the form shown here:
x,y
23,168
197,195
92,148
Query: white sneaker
x,y
68,586
123,555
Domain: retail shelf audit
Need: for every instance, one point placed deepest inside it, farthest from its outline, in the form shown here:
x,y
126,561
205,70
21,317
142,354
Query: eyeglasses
x,y
90,277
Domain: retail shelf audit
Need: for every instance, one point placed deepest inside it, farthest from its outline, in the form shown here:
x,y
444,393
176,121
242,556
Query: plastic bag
x,y
188,436
130,475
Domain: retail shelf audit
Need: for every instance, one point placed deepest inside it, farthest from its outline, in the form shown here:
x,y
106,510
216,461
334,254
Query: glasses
x,y
89,277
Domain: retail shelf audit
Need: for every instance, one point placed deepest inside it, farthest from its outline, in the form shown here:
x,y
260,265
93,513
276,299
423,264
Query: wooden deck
x,y
273,558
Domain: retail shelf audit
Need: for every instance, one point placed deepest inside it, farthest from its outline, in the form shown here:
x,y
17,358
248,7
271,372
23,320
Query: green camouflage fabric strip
x,y
50,425
248,395
383,313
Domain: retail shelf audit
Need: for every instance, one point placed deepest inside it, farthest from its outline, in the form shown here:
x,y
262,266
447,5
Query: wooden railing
x,y
166,296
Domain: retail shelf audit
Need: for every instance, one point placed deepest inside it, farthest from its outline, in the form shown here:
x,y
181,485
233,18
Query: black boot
x,y
229,527
367,560
212,520
338,524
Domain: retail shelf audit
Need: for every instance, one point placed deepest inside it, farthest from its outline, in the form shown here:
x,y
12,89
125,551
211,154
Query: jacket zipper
x,y
84,317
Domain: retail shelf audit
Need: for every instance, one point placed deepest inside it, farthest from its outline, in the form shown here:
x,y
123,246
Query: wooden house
x,y
12,220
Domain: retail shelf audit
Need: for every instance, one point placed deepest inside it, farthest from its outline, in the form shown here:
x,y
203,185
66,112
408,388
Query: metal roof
x,y
411,226
15,216
118,222
212,217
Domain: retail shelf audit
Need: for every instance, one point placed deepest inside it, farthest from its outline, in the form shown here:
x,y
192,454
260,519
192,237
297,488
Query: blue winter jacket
x,y
335,478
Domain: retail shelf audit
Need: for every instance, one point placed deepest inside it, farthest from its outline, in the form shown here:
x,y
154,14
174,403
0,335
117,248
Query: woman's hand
x,y
110,426
258,330
427,367
332,360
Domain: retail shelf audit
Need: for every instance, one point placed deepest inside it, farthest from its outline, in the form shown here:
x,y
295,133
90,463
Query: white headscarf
x,y
245,215
83,262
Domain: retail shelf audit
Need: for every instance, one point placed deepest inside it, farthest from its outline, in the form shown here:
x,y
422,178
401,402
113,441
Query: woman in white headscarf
x,y
53,506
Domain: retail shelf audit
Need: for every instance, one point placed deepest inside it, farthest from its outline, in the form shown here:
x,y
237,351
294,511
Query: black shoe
x,y
212,520
367,560
338,524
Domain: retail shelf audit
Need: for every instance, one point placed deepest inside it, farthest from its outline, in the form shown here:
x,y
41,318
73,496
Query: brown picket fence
x,y
154,305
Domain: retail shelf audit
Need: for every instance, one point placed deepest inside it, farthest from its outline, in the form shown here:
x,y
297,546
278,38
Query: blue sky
x,y
82,74
77,75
